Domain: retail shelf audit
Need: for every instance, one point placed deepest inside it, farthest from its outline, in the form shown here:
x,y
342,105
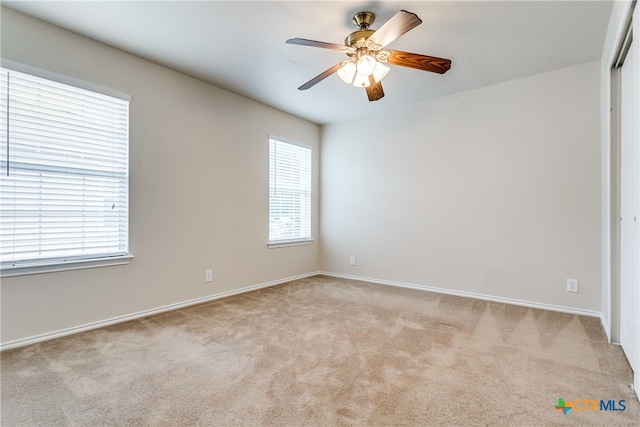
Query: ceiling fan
x,y
367,56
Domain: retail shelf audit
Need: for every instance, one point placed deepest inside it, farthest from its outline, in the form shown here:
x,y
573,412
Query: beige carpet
x,y
323,352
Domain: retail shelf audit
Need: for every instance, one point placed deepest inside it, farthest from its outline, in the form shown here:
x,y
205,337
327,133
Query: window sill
x,y
286,243
64,266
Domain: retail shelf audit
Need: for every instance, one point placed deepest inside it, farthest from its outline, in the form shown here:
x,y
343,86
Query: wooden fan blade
x,y
399,24
374,90
421,62
313,43
317,79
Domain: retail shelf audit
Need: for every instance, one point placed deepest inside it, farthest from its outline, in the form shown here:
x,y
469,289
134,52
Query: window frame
x,y
290,241
47,265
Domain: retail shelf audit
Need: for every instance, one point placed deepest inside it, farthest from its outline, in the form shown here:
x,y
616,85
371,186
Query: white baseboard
x,y
99,324
511,301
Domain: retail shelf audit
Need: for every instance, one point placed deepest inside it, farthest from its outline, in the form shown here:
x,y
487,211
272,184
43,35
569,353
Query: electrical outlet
x,y
352,260
208,276
572,285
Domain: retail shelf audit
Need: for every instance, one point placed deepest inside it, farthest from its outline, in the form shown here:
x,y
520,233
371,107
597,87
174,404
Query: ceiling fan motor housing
x,y
356,36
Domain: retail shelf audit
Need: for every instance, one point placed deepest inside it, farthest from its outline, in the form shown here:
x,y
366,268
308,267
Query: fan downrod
x,y
363,20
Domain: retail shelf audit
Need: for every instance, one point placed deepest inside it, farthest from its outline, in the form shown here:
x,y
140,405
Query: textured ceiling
x,y
240,45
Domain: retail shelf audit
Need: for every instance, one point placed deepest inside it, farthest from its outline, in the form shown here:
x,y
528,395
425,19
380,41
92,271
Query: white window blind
x,y
65,172
289,192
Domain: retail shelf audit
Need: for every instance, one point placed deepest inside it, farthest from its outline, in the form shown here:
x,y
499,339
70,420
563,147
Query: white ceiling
x,y
240,45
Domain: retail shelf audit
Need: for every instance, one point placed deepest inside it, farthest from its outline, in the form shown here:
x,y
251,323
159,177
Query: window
x,y
65,175
289,193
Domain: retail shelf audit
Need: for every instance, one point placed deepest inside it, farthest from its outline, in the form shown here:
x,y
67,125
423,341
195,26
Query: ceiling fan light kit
x,y
365,48
357,73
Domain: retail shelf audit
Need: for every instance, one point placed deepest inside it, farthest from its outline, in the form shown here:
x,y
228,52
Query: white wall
x,y
198,190
494,191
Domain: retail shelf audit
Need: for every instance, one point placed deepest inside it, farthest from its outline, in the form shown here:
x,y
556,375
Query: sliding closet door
x,y
630,209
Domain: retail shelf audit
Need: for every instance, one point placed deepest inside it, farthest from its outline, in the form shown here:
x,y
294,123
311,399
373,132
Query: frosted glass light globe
x,y
366,65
